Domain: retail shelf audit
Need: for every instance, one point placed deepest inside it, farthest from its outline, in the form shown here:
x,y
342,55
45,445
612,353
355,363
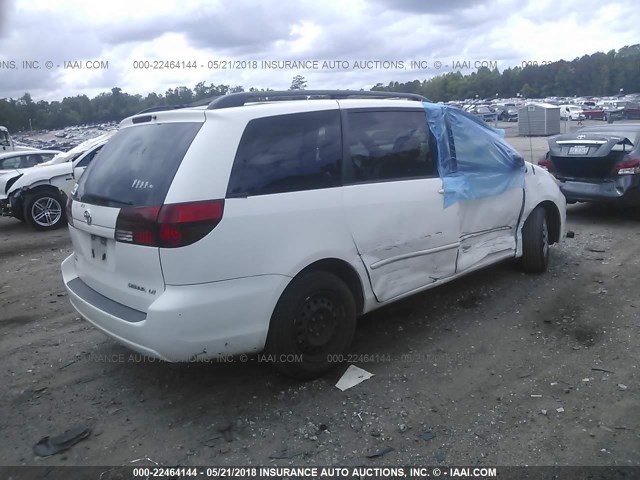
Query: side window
x,y
11,162
387,145
87,160
31,161
287,153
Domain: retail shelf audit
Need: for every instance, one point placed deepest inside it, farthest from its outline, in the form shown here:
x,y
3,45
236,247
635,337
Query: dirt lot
x,y
498,368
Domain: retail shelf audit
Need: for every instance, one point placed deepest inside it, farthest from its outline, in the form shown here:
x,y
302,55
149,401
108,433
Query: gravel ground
x,y
497,368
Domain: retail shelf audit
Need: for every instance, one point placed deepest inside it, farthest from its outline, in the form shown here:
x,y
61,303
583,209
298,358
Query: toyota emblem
x,y
87,216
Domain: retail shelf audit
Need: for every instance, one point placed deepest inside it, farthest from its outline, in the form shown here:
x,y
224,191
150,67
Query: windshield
x,y
137,165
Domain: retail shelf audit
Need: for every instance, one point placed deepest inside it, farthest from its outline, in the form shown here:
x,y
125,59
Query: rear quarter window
x,y
11,162
287,153
137,165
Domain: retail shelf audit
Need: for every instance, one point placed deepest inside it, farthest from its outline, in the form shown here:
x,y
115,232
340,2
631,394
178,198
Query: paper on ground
x,y
353,376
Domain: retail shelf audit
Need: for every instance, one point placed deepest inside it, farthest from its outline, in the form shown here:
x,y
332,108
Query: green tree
x,y
298,83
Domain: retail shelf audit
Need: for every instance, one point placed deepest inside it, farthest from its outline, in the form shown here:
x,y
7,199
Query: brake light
x,y
546,164
69,210
169,226
627,167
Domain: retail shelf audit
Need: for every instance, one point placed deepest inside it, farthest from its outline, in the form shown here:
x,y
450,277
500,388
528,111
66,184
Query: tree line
x,y
597,74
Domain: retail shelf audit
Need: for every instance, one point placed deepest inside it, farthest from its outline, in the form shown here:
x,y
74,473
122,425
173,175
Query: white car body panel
x,y
56,175
404,236
79,149
541,187
320,232
215,297
488,227
181,325
121,268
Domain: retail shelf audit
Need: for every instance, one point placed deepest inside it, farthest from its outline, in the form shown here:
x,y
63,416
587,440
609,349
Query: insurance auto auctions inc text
x,y
375,472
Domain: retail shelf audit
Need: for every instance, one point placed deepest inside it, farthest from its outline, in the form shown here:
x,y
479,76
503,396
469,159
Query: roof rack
x,y
241,98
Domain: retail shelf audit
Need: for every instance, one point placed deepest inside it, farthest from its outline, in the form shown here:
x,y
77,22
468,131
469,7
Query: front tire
x,y
535,242
44,210
312,326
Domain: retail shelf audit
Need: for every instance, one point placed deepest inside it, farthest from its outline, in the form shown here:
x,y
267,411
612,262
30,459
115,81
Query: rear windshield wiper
x,y
102,198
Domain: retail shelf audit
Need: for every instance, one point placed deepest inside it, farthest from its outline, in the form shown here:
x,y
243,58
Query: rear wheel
x,y
44,210
535,242
312,325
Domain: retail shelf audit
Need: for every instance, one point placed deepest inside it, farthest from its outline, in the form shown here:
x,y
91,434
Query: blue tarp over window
x,y
474,161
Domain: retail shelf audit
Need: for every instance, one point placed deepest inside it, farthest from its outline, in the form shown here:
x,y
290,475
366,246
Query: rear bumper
x,y
186,323
623,190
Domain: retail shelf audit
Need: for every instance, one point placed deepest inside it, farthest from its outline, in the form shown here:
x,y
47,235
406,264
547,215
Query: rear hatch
x,y
127,185
589,156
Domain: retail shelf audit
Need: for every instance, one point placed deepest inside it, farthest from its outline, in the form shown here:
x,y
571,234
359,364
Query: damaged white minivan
x,y
258,224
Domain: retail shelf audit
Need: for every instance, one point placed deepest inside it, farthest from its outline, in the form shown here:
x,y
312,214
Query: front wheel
x,y
44,210
535,242
312,325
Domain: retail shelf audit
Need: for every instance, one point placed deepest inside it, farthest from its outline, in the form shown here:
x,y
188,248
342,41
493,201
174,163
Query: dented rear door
x,y
394,202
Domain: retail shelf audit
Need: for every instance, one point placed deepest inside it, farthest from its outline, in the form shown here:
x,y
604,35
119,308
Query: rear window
x,y
137,165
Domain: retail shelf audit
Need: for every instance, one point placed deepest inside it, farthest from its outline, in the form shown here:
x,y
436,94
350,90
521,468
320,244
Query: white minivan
x,y
258,224
571,112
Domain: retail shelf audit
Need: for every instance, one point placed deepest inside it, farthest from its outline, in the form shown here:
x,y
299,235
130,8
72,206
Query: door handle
x,y
441,191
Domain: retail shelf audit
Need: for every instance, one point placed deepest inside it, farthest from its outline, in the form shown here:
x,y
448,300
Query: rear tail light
x,y
630,166
69,210
138,225
546,164
169,226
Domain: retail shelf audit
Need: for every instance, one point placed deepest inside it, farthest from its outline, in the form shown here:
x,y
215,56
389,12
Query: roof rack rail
x,y
241,98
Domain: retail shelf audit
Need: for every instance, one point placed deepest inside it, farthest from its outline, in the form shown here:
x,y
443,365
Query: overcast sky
x,y
124,31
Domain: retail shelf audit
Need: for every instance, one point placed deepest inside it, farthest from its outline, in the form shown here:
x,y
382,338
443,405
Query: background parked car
x,y
594,113
509,114
483,112
37,195
571,112
597,164
24,159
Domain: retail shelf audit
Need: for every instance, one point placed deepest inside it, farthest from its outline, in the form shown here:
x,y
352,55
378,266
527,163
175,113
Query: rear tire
x,y
535,242
312,326
44,210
